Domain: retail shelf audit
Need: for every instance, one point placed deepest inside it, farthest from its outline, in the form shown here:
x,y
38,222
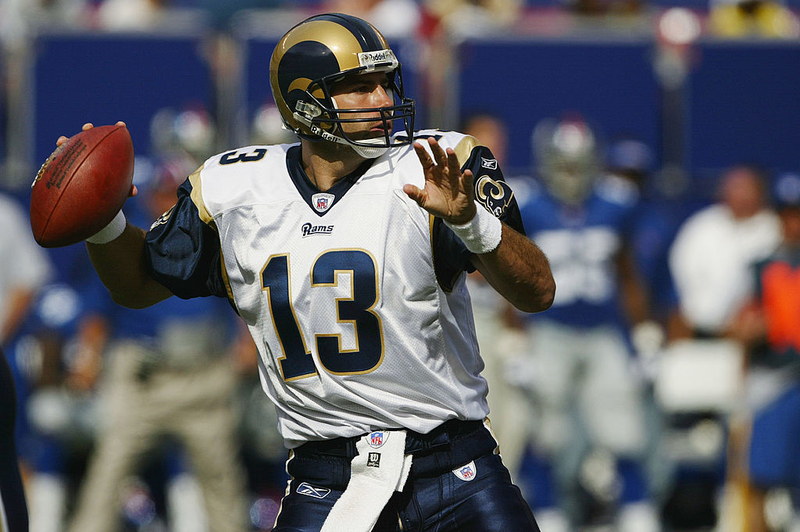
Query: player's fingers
x,y
423,156
134,191
452,162
121,123
468,177
414,192
62,139
438,153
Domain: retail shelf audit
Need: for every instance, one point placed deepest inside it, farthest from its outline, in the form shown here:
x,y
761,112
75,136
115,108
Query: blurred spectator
x,y
592,429
597,8
470,18
769,328
395,18
699,376
19,17
714,248
491,131
168,375
129,14
752,18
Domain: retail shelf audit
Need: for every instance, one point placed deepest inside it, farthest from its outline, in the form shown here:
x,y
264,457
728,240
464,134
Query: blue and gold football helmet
x,y
317,53
567,157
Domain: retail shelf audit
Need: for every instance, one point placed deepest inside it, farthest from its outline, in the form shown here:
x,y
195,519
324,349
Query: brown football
x,y
82,186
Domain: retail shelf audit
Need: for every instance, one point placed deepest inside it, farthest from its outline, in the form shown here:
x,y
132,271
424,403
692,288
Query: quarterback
x,y
346,255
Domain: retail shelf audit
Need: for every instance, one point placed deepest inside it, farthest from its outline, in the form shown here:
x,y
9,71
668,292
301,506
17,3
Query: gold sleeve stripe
x,y
464,149
205,216
431,218
225,276
197,197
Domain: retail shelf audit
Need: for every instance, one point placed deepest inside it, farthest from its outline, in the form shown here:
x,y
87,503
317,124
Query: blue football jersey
x,y
582,244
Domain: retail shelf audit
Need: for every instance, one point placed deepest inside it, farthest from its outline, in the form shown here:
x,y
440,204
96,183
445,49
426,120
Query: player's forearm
x,y
519,271
120,265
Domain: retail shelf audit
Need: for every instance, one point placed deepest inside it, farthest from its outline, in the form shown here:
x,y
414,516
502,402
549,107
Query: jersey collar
x,y
320,202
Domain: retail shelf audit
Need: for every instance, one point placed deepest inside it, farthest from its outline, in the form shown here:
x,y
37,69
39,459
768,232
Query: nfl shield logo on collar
x,y
322,201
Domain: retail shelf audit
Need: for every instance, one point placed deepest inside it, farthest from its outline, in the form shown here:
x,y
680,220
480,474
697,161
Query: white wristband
x,y
482,234
111,231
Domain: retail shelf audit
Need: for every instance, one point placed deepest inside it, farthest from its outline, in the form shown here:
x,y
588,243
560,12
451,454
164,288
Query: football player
x,y
13,510
580,361
346,255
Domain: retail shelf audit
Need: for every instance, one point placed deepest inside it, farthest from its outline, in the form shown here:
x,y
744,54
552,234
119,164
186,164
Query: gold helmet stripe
x,y
337,38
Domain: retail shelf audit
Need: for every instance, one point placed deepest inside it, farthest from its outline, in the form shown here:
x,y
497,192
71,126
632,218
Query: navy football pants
x,y
434,497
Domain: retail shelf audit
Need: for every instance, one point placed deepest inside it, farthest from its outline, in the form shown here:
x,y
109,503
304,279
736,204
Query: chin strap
x,y
306,111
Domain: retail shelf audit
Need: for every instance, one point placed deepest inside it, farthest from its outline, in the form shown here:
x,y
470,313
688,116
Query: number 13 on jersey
x,y
357,310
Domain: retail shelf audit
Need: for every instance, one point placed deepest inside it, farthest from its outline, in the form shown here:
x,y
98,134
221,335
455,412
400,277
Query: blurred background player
x,y
591,427
24,269
168,378
658,215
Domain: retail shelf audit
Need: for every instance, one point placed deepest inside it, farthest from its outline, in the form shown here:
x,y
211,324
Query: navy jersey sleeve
x,y
182,252
450,255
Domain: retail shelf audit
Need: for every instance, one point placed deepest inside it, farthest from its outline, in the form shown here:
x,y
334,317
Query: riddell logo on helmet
x,y
371,59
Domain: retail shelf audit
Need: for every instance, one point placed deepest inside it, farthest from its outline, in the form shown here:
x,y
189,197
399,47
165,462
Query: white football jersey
x,y
340,294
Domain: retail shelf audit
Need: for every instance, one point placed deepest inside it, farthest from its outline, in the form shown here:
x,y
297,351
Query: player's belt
x,y
371,467
450,445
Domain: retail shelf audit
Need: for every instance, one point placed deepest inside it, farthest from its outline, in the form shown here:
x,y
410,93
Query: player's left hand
x,y
448,193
